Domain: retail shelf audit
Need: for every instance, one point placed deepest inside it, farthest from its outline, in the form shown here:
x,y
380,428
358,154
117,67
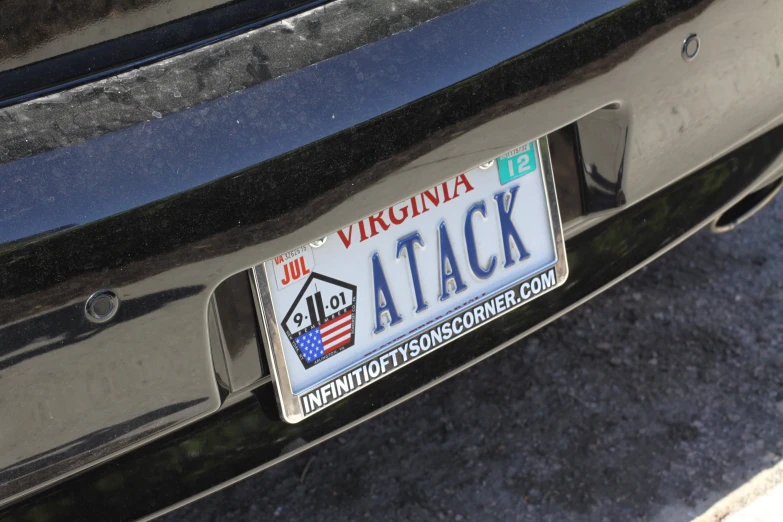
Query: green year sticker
x,y
516,163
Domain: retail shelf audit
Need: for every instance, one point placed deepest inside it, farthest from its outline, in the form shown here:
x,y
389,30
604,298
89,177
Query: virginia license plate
x,y
344,311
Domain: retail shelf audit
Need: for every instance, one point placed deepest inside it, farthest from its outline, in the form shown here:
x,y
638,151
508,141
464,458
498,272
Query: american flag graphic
x,y
326,338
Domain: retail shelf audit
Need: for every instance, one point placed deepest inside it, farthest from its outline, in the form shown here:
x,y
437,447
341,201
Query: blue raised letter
x,y
408,244
381,292
447,254
470,241
507,229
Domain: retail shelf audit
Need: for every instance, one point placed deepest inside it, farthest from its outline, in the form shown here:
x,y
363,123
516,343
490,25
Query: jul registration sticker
x,y
347,310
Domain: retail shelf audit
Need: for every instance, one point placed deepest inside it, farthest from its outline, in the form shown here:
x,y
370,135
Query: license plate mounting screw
x,y
318,242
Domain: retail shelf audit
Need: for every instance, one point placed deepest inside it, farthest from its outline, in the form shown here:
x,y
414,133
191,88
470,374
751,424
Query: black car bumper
x,y
164,183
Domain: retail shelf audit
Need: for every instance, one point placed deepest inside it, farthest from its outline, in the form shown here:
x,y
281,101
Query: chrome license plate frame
x,y
297,402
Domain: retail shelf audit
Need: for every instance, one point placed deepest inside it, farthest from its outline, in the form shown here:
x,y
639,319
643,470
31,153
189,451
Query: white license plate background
x,y
352,264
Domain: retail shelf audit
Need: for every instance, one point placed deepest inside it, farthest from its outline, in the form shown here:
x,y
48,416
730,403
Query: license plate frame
x,y
296,406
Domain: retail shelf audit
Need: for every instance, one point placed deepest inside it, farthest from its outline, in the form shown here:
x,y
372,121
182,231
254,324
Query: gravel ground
x,y
651,402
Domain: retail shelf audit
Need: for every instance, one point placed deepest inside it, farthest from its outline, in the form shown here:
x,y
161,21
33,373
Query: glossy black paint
x,y
104,177
240,331
251,435
28,25
241,66
111,206
97,197
58,324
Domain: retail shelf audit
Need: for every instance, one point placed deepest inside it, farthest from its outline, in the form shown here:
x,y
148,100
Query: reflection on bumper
x,y
250,436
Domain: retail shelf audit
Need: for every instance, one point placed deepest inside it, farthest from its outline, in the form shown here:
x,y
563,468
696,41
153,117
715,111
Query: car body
x,y
150,159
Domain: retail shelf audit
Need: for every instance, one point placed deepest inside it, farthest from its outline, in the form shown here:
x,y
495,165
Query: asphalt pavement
x,y
651,402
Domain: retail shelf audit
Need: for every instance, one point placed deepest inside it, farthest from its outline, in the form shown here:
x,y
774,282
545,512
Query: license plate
x,y
348,309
